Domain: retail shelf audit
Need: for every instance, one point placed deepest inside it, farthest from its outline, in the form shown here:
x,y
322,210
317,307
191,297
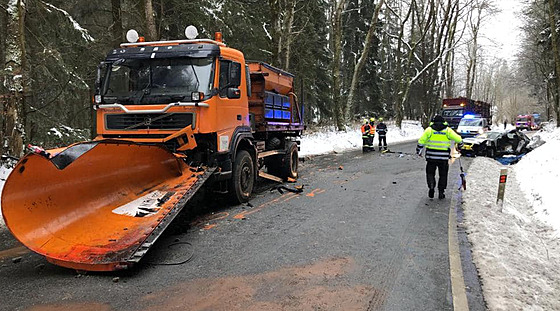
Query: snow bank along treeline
x,y
329,140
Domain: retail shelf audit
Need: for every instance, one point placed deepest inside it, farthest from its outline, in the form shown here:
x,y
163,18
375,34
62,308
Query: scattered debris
x,y
116,279
341,167
16,259
296,189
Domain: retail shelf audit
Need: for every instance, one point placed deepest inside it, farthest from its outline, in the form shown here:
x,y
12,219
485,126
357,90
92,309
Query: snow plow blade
x,y
97,206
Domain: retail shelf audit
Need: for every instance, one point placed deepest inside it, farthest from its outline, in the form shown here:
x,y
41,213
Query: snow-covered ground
x,y
516,248
329,140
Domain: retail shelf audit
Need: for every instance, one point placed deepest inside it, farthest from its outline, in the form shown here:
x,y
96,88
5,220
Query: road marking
x,y
286,196
460,302
314,192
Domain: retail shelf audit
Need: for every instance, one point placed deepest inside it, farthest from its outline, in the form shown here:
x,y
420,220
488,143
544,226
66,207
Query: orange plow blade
x,y
97,206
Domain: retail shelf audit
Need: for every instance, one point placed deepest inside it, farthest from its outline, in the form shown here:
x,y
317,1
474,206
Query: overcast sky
x,y
501,32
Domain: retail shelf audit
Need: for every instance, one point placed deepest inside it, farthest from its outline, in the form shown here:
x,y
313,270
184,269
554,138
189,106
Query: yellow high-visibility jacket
x,y
438,143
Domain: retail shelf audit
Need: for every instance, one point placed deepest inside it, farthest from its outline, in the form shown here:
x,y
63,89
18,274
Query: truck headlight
x,y
197,96
480,131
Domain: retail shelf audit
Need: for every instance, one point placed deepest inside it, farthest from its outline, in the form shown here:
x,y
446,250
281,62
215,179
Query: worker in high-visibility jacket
x,y
372,132
367,142
437,142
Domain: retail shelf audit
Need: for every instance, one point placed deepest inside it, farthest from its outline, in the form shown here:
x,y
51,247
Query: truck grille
x,y
156,121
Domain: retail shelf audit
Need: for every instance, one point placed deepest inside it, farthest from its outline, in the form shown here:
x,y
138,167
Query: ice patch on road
x,y
517,255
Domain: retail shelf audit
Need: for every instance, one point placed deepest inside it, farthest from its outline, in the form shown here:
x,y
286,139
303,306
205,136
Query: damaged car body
x,y
497,143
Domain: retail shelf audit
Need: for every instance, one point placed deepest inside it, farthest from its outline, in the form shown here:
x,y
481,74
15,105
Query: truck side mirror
x,y
233,93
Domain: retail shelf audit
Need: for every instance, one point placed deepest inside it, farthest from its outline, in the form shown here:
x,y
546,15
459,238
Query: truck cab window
x,y
230,76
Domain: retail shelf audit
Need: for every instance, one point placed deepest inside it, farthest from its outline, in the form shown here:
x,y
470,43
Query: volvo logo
x,y
147,121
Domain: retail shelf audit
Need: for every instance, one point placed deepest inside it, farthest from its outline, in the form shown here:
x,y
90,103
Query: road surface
x,y
362,236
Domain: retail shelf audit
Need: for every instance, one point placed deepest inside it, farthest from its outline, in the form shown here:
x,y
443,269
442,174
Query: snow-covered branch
x,y
85,34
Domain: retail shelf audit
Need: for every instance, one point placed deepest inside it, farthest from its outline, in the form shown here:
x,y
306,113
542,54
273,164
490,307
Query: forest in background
x,y
352,58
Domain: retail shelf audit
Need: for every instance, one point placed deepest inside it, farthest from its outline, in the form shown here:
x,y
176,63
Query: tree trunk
x,y
150,21
117,27
276,24
287,33
13,101
556,53
362,60
337,55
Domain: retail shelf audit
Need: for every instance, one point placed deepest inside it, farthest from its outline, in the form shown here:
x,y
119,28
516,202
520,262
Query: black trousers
x,y
443,168
383,138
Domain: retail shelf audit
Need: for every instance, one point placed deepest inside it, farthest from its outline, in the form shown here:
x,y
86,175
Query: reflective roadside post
x,y
502,188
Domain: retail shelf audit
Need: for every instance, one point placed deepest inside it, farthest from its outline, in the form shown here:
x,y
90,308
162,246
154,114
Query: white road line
x,y
460,302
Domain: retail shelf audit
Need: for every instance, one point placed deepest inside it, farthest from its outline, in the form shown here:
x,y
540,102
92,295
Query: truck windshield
x,y
470,122
452,113
157,80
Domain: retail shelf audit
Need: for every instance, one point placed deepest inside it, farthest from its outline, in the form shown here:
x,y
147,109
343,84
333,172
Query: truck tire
x,y
243,178
290,161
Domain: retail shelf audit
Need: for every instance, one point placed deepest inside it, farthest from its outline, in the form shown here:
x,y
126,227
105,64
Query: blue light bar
x,y
468,116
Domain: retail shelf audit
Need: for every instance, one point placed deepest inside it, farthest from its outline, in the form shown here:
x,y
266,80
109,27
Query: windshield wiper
x,y
196,76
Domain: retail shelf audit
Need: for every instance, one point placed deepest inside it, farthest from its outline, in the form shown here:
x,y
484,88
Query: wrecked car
x,y
496,143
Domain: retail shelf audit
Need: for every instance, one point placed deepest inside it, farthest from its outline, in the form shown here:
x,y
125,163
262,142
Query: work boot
x,y
431,193
441,195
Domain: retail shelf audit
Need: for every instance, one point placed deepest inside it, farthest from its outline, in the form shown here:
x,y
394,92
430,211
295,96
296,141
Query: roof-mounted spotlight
x,y
132,36
191,32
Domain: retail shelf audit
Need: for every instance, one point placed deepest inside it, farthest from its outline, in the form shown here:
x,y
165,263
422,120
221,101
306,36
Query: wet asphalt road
x,y
362,236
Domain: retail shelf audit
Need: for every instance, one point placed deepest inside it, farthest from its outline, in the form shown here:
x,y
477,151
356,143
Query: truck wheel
x,y
243,178
290,162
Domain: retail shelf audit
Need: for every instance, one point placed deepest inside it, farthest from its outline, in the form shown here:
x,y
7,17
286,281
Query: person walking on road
x,y
437,142
381,130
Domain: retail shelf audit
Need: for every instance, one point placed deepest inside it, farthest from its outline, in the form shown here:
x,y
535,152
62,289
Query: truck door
x,y
233,105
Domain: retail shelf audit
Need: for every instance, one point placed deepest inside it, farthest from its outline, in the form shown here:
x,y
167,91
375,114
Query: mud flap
x,y
97,206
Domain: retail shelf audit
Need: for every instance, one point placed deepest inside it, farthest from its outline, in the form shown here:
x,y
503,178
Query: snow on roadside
x,y
4,172
517,255
539,176
330,140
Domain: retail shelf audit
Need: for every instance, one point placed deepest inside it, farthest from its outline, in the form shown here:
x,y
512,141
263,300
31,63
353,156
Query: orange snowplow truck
x,y
171,116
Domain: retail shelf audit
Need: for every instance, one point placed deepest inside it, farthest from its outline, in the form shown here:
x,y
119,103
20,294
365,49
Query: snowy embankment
x,y
515,247
4,172
329,140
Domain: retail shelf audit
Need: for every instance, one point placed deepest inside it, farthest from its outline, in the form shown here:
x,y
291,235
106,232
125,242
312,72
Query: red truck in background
x,y
526,122
454,109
